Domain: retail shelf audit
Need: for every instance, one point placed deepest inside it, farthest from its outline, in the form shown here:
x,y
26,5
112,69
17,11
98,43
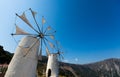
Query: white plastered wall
x,y
21,65
52,64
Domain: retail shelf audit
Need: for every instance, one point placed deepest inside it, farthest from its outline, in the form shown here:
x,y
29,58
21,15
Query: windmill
x,y
52,69
59,50
24,61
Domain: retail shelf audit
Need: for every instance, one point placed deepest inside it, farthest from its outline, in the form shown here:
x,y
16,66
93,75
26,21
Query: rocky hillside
x,y
106,68
5,56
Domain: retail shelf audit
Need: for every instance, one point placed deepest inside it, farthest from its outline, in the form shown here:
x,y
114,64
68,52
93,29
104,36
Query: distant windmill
x,y
24,61
52,69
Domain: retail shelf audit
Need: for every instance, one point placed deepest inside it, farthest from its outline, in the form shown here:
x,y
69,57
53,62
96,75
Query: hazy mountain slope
x,y
106,68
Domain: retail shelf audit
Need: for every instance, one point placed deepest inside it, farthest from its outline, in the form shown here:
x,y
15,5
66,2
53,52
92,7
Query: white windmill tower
x,y
24,61
52,69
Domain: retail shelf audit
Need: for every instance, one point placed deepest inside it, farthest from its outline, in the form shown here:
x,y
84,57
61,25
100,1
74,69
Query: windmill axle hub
x,y
41,35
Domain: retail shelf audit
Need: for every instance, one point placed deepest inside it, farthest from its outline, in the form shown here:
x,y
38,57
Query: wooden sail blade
x,y
58,46
50,33
49,28
47,51
62,57
23,17
33,14
52,37
51,45
43,20
19,31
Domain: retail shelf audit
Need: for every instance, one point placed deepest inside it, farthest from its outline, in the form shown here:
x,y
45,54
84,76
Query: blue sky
x,y
88,30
